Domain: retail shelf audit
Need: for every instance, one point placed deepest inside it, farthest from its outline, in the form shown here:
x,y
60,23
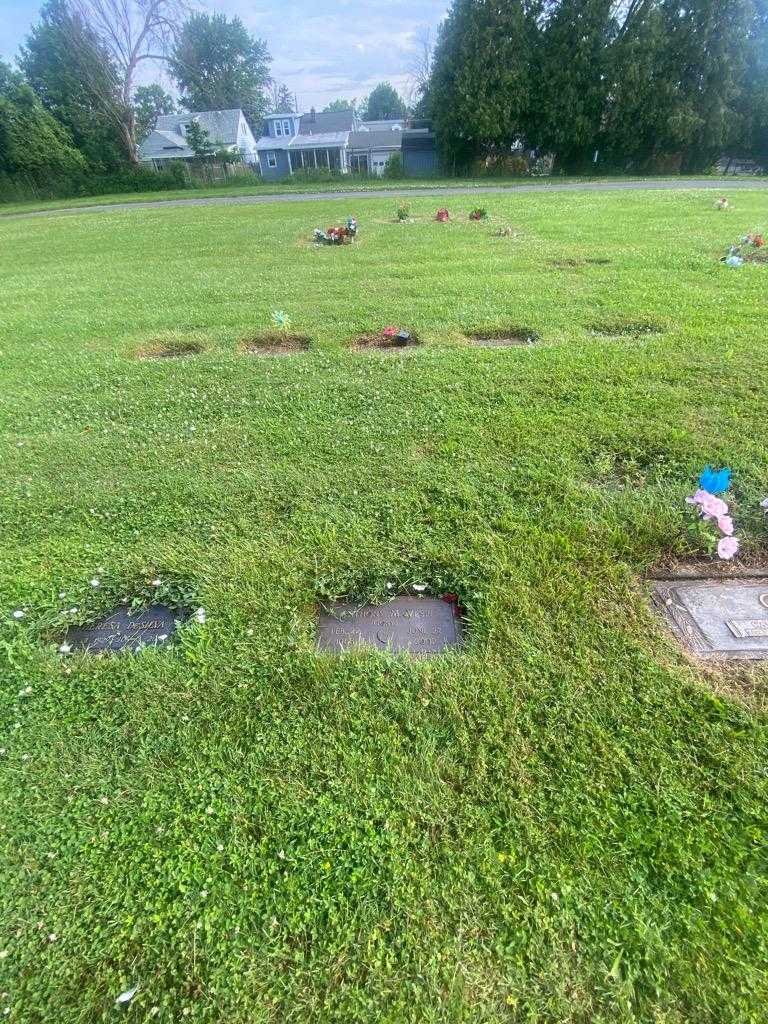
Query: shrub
x,y
18,188
394,166
404,211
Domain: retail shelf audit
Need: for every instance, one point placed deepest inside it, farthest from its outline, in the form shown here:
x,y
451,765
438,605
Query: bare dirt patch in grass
x,y
171,347
373,340
504,337
275,343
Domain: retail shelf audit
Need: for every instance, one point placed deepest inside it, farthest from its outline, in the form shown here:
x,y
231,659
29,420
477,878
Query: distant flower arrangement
x,y
480,214
337,235
722,203
443,216
746,250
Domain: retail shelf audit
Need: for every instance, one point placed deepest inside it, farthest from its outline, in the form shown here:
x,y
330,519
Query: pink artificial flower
x,y
725,525
711,506
389,332
728,548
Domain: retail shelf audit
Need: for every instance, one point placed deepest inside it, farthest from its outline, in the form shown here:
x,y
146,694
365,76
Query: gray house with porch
x,y
337,141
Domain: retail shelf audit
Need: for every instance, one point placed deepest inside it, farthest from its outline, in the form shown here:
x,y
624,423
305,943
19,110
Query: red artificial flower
x,y
390,332
758,241
443,215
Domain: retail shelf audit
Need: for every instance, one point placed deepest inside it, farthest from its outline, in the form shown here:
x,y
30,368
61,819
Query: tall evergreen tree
x,y
219,65
71,72
568,105
752,103
480,88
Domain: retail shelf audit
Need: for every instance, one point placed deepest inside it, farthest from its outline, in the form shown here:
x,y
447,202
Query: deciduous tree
x,y
131,31
384,104
219,65
149,103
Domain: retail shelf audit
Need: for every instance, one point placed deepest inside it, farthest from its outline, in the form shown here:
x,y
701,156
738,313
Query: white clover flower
x,y
157,583
200,615
65,649
95,582
18,614
419,588
52,937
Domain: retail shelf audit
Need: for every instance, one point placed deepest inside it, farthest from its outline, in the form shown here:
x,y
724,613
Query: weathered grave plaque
x,y
726,619
125,630
420,626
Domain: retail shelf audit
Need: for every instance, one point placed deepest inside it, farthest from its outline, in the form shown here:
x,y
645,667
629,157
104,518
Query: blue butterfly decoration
x,y
715,481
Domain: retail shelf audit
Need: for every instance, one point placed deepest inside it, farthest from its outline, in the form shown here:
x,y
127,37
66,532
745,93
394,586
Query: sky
x,y
321,49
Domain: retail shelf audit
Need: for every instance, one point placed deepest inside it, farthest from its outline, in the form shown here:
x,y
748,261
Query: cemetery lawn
x,y
566,822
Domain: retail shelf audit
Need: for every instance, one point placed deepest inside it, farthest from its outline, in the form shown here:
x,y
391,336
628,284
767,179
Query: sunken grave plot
x,y
721,619
388,339
507,337
420,626
275,343
125,631
171,348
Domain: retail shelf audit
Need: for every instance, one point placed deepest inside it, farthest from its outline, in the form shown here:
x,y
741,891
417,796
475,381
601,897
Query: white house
x,y
227,129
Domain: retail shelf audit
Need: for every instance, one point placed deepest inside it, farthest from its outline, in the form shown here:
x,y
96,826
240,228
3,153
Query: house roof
x,y
221,125
389,124
163,146
376,140
322,140
334,121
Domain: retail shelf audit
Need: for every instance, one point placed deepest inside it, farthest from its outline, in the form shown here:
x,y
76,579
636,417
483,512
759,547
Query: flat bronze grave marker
x,y
721,619
125,630
415,625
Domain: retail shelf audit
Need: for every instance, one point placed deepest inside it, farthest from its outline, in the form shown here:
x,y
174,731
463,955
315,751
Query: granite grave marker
x,y
125,630
720,619
414,625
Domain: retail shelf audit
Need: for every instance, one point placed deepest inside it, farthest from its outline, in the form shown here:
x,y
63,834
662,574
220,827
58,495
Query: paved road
x,y
720,184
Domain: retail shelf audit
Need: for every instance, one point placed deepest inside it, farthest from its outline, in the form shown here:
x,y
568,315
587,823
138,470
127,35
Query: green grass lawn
x,y
564,823
260,188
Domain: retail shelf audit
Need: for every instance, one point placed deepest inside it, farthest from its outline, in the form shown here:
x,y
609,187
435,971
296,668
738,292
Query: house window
x,y
278,129
286,127
272,160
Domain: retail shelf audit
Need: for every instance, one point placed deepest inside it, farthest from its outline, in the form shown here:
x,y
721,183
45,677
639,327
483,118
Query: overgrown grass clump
x,y
564,823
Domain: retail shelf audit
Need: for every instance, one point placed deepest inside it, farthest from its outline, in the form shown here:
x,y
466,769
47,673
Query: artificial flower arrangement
x,y
715,524
403,212
396,335
337,235
722,203
442,215
479,214
746,250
